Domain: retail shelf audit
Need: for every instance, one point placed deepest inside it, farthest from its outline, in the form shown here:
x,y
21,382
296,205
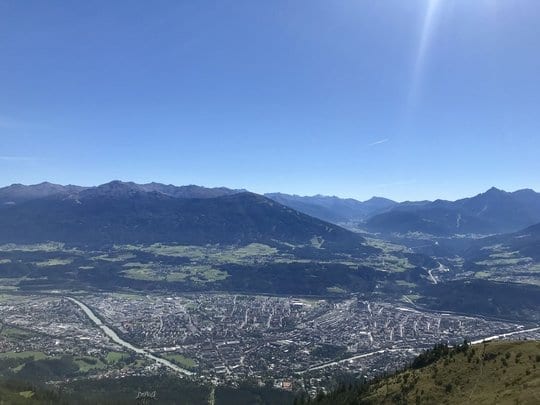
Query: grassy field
x,y
114,258
24,355
336,290
38,247
201,261
54,262
198,267
208,254
506,261
534,268
388,262
492,373
182,361
115,357
387,247
43,366
194,273
11,332
143,273
26,394
87,363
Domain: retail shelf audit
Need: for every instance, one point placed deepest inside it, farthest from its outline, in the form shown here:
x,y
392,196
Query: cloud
x,y
378,142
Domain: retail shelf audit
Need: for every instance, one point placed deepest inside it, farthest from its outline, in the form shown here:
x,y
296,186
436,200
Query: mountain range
x,y
17,193
495,211
491,212
119,212
334,209
525,242
129,212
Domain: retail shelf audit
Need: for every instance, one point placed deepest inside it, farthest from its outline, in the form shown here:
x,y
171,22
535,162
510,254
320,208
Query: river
x,y
117,339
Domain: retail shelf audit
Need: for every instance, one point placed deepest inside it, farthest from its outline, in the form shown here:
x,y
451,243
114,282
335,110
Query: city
x,y
224,339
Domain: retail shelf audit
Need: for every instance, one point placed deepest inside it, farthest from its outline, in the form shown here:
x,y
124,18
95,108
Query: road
x,y
411,350
503,335
360,356
432,277
117,339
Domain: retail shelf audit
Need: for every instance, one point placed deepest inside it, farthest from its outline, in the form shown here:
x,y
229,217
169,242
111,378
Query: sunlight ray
x,y
422,51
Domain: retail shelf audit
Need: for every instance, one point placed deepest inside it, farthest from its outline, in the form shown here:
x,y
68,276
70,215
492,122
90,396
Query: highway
x,y
503,335
411,350
359,356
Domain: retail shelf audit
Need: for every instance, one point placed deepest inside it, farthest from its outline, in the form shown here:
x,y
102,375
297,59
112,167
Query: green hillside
x,y
16,392
502,372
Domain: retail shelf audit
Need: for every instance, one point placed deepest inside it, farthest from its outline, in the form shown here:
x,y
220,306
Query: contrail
x,y
378,142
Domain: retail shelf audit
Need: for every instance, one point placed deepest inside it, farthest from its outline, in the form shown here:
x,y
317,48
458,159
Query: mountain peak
x,y
495,190
379,199
20,192
115,188
525,191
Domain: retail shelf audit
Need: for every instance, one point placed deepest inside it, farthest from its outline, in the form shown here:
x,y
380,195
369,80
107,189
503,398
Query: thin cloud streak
x,y
378,142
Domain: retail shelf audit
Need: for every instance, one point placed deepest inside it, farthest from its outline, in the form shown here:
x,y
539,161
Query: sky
x,y
416,99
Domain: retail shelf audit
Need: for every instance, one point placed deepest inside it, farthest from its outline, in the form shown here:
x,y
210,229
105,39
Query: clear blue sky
x,y
405,99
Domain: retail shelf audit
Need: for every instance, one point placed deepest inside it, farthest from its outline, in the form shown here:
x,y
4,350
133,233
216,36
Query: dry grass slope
x,y
500,372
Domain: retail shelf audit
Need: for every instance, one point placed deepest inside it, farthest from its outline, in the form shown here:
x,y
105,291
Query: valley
x,y
231,293
292,343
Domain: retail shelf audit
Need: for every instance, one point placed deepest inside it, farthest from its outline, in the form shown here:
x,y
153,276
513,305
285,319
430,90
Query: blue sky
x,y
404,99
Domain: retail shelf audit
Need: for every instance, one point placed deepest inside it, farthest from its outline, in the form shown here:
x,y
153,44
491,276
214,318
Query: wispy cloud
x,y
380,141
17,158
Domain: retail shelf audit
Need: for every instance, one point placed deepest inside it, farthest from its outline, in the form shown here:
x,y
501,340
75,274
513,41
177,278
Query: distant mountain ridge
x,y
18,192
492,212
119,212
495,211
526,242
334,209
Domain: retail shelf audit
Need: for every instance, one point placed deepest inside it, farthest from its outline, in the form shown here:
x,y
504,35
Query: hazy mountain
x,y
525,242
334,209
190,191
17,193
120,212
494,211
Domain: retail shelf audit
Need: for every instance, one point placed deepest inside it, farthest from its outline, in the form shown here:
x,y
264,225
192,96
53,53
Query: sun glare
x,y
426,35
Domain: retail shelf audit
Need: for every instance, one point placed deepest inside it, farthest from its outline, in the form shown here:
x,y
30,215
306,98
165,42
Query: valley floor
x,y
224,339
